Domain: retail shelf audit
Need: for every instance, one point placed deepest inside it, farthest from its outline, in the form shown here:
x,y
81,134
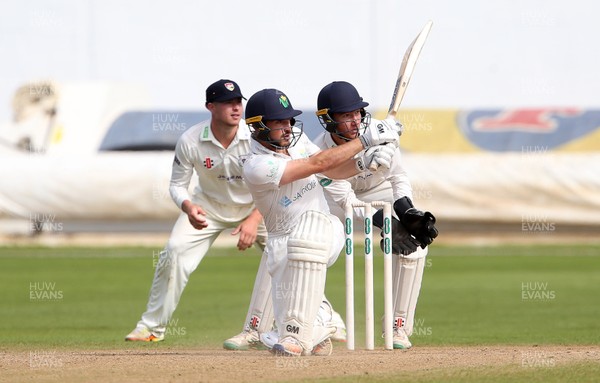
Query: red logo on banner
x,y
532,120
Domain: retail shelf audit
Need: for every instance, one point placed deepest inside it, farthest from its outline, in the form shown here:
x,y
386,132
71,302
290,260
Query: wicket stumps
x,y
387,274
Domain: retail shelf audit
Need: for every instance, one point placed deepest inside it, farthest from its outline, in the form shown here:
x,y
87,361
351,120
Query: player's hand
x,y
196,215
392,123
402,242
379,133
248,230
372,158
418,223
383,157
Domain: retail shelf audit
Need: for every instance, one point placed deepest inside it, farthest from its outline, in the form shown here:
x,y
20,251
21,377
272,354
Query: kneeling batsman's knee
x,y
310,240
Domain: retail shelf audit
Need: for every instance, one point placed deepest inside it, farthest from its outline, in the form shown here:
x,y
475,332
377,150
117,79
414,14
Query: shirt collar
x,y
243,132
257,148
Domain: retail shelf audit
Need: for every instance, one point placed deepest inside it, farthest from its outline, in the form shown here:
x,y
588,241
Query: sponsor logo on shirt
x,y
176,160
285,201
223,177
273,167
306,188
325,182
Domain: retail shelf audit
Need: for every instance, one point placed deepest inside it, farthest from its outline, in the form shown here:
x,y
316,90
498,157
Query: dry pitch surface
x,y
163,364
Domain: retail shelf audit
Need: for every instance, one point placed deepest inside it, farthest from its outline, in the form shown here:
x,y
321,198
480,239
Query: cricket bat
x,y
406,70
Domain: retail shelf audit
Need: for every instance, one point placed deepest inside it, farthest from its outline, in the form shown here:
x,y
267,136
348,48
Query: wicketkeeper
x,y
342,113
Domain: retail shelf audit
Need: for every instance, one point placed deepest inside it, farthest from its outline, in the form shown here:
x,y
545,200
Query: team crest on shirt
x,y
208,163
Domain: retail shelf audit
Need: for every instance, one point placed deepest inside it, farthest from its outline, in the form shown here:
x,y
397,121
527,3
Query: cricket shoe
x,y
401,340
143,334
340,327
325,348
288,346
246,340
269,339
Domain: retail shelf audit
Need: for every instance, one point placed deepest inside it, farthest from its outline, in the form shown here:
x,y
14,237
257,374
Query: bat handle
x,y
373,167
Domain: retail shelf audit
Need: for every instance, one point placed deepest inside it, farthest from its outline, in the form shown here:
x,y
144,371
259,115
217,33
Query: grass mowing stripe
x,y
465,299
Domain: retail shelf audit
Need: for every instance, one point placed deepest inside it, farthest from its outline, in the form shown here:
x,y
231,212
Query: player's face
x,y
348,123
228,112
280,132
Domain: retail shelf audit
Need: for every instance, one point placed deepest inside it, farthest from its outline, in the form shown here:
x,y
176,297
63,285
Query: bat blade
x,y
406,70
407,67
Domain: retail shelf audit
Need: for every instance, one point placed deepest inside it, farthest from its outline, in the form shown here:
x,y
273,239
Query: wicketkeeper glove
x,y
402,242
419,224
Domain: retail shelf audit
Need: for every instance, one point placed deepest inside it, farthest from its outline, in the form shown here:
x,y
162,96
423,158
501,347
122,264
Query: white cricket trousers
x,y
185,249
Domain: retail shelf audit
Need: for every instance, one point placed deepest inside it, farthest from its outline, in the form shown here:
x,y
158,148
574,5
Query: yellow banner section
x,y
510,130
431,131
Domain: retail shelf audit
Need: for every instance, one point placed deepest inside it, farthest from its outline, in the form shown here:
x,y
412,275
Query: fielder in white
x,y
342,114
303,237
212,148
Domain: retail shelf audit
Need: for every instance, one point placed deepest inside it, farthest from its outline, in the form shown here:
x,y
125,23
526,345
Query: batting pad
x,y
301,297
406,285
309,247
311,238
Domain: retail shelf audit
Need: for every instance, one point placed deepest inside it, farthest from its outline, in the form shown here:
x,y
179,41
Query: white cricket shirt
x,y
282,207
219,170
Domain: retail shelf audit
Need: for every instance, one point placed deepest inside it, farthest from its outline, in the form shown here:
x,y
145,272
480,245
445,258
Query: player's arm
x,y
336,162
398,178
181,175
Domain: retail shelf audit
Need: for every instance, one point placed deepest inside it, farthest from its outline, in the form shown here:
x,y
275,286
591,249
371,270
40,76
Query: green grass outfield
x,y
92,297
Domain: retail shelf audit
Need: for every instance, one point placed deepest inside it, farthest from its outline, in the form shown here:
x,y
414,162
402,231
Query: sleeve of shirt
x,y
338,191
398,178
264,172
181,175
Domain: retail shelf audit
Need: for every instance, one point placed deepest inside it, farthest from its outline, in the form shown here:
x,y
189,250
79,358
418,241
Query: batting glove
x,y
380,133
376,156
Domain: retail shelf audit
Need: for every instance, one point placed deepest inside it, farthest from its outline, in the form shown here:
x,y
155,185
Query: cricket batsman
x,y
303,237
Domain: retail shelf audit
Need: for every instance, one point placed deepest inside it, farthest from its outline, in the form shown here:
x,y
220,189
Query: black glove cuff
x,y
378,218
402,205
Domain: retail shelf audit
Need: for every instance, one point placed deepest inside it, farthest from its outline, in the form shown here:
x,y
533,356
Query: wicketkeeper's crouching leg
x,y
412,232
299,284
407,278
